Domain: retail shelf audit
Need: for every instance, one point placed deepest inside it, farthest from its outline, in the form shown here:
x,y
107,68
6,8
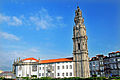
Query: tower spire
x,y
80,50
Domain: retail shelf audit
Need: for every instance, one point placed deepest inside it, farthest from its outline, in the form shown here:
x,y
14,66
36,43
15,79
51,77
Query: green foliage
x,y
44,78
115,78
34,76
26,78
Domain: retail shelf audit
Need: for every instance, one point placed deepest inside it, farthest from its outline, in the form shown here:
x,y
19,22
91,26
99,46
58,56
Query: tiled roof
x,y
99,55
117,51
56,60
30,59
93,59
114,52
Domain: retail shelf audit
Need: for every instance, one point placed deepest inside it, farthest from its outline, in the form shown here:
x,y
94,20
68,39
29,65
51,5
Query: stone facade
x,y
97,66
80,50
113,67
105,66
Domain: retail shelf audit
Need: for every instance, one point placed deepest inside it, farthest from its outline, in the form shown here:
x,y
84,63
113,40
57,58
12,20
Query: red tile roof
x,y
117,51
93,59
99,55
56,60
30,59
114,52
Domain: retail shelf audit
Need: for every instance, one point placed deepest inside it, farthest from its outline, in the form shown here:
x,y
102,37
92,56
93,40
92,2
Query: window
x,y
39,74
42,74
46,74
118,59
40,68
53,68
53,74
78,46
58,67
62,74
58,74
43,68
34,68
66,74
70,73
66,66
117,54
62,67
70,66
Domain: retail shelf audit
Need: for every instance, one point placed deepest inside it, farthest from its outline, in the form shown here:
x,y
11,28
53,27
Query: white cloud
x,y
10,20
4,18
15,21
40,20
8,36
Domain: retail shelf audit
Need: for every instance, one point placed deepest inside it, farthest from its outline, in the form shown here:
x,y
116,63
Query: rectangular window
x,y
40,68
62,67
70,66
53,74
58,67
34,68
42,74
62,74
58,74
43,68
53,68
118,59
46,74
39,74
66,66
70,73
78,46
66,74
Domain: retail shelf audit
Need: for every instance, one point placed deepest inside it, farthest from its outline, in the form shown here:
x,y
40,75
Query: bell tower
x,y
80,50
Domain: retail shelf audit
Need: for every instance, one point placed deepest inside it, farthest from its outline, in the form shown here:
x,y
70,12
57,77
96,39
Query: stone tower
x,y
80,50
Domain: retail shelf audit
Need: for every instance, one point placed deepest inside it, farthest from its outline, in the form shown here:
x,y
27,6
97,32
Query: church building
x,y
76,66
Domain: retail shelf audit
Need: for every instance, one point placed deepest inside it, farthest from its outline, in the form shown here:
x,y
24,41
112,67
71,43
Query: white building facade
x,y
56,68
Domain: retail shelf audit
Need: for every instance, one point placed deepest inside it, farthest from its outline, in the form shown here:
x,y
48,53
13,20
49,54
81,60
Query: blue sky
x,y
43,28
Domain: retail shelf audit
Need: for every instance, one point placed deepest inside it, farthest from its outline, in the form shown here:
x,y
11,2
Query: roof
x,y
114,52
30,59
56,60
117,51
93,59
99,55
